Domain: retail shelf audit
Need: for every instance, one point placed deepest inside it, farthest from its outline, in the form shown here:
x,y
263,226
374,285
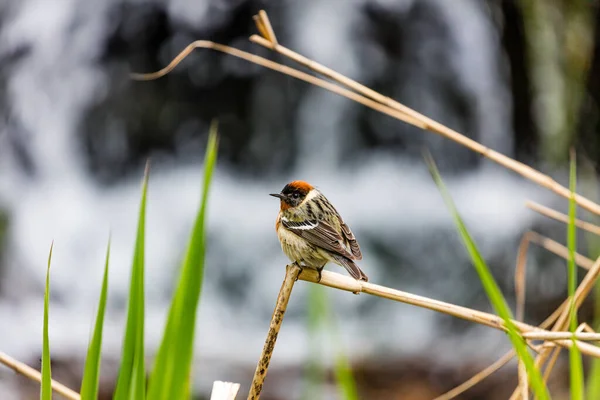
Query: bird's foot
x,y
319,271
301,269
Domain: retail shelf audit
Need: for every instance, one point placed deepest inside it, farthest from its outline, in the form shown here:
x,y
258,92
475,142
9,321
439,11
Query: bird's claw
x,y
301,269
319,271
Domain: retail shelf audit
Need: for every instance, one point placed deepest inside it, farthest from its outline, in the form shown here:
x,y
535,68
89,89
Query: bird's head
x,y
293,194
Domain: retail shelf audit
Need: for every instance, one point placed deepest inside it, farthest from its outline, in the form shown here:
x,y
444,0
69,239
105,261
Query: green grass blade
x,y
321,318
91,372
171,375
343,371
593,381
132,377
46,388
314,370
575,361
491,288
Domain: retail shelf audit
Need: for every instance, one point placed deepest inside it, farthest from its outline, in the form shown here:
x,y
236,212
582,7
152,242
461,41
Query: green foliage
x,y
171,374
132,377
491,288
46,388
91,372
321,318
315,373
575,361
593,244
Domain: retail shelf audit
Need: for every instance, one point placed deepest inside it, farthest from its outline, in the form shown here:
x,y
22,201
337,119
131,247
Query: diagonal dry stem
x,y
550,213
338,281
291,276
523,382
548,355
371,99
269,33
557,249
34,375
429,124
480,376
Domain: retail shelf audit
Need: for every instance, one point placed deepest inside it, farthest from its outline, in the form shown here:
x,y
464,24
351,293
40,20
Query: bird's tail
x,y
352,268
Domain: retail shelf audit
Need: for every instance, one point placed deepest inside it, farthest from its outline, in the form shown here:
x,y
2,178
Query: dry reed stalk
x,y
291,276
548,244
224,390
383,104
587,336
562,251
346,283
585,328
475,379
33,374
523,382
463,387
554,357
426,123
548,355
520,275
555,248
550,213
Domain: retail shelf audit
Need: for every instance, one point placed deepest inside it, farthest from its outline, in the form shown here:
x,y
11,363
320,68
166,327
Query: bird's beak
x,y
278,195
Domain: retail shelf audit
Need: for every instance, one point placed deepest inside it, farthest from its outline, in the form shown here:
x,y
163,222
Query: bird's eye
x,y
295,195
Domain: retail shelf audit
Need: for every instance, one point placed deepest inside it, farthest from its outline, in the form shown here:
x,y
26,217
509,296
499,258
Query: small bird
x,y
312,232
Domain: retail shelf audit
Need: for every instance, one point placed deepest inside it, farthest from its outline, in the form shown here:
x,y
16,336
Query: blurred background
x,y
522,77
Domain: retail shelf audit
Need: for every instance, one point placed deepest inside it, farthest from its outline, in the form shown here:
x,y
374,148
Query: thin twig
x,y
291,276
520,275
264,21
550,213
33,374
206,44
348,284
478,377
555,248
523,381
431,125
550,355
556,352
584,327
387,106
260,26
586,336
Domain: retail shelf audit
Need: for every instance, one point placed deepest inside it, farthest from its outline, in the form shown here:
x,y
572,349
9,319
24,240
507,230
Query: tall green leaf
x,y
575,361
593,380
314,370
132,377
91,372
46,388
491,288
342,369
171,375
321,318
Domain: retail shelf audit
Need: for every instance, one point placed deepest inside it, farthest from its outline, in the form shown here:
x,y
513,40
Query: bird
x,y
312,232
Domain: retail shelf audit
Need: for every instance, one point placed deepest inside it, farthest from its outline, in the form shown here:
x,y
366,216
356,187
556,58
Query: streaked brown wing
x,y
321,234
349,236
